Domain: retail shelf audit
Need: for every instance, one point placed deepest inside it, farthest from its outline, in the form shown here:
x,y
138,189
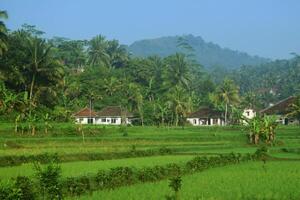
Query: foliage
x,y
49,180
262,127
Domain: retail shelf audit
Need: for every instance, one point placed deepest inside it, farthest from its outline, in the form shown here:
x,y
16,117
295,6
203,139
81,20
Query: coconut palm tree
x,y
118,56
3,32
43,70
227,94
97,51
178,103
177,71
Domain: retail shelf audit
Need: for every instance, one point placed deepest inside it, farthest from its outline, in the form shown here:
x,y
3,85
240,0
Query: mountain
x,y
208,54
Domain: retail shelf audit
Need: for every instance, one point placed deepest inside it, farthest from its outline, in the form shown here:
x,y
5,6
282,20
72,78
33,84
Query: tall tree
x,y
97,51
3,32
226,94
177,71
42,70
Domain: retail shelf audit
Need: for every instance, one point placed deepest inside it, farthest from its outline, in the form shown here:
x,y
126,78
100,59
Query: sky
x,y
268,28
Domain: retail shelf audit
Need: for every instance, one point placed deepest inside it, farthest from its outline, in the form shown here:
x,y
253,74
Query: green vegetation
x,y
245,181
91,167
209,54
45,80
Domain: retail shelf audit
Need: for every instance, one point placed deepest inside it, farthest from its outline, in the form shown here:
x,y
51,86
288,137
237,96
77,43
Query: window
x,y
113,120
103,120
195,121
248,113
90,120
80,120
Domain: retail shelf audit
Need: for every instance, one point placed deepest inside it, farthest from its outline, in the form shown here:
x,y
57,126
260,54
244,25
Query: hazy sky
x,y
269,28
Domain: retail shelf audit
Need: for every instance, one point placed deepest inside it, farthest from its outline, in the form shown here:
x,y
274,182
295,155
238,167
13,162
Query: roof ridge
x,y
279,102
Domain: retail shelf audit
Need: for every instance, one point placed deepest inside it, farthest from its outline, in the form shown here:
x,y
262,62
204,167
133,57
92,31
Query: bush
x,y
49,180
8,191
77,186
26,188
121,176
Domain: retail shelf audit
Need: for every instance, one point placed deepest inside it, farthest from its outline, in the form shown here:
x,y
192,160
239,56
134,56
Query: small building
x,y
85,116
280,109
206,117
248,113
110,115
114,115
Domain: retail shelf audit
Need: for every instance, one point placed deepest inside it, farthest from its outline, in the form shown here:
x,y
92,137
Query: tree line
x,y
49,79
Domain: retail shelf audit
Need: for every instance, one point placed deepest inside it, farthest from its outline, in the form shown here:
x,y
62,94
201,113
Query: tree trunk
x,y
251,138
226,110
256,139
31,91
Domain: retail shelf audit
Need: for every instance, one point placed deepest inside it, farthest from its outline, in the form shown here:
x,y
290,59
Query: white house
x,y
85,116
110,115
206,117
248,113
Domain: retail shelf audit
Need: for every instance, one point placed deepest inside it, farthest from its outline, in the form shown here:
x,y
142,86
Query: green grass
x,y
91,167
245,181
279,180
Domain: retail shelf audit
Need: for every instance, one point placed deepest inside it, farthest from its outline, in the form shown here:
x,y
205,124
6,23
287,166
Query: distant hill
x,y
208,54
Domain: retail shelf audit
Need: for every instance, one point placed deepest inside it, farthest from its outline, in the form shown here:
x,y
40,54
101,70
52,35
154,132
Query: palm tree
x,y
178,103
118,55
43,70
111,85
97,51
3,31
178,71
226,94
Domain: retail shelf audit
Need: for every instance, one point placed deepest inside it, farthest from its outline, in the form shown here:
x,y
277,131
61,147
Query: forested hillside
x,y
207,53
272,81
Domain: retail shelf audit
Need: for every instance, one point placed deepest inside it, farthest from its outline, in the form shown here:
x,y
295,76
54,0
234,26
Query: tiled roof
x,y
86,112
205,113
113,111
280,108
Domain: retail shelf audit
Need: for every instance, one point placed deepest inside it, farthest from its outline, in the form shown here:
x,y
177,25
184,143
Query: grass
x,y
245,181
280,180
91,167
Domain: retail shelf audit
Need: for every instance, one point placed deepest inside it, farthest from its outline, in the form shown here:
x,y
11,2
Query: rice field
x,y
278,179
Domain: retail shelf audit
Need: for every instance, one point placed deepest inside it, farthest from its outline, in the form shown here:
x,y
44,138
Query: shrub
x,y
102,179
121,176
77,186
8,191
49,180
25,187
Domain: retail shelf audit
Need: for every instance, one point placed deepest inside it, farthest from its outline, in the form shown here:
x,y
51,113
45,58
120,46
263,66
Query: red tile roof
x,y
86,112
109,111
113,111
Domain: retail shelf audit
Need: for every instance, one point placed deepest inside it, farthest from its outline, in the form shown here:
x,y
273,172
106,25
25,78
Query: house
x,y
206,117
110,115
280,109
85,116
113,115
248,113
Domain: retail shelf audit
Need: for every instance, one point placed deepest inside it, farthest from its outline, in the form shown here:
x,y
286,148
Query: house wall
x,y
207,122
109,120
98,120
83,120
249,113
